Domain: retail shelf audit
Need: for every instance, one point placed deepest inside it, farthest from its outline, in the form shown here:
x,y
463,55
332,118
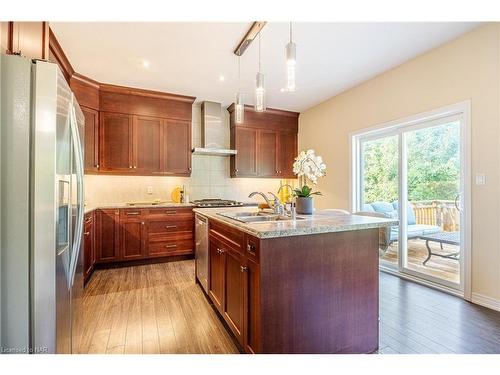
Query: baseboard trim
x,y
489,302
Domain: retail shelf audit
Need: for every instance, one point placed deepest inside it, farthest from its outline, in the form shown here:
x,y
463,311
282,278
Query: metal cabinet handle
x,y
243,268
170,212
135,166
130,167
170,226
132,213
142,223
220,251
86,233
251,248
170,246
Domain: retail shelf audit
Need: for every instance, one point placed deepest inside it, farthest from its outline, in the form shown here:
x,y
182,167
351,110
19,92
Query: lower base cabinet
x,y
233,286
88,245
128,234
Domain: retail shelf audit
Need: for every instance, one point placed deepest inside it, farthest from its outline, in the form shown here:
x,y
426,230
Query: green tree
x,y
433,165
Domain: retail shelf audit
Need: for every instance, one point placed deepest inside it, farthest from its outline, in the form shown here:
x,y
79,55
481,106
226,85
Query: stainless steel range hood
x,y
212,132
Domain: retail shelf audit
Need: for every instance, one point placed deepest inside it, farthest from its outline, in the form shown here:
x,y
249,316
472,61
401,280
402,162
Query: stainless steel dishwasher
x,y
201,254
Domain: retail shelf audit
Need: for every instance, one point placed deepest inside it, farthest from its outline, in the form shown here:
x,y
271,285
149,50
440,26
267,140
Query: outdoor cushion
x,y
368,208
382,206
410,214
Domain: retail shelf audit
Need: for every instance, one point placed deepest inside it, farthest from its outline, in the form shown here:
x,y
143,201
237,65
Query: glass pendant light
x,y
240,105
290,54
260,91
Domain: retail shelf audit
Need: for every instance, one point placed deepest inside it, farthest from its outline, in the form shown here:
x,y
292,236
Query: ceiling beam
x,y
252,32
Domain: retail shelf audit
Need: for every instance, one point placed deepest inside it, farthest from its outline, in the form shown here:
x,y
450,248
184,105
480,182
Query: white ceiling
x,y
188,58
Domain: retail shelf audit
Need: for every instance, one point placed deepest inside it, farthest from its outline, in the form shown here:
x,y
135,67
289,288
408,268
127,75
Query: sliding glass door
x,y
414,171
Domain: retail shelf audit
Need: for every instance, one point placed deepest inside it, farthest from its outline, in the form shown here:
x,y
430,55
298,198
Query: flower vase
x,y
304,205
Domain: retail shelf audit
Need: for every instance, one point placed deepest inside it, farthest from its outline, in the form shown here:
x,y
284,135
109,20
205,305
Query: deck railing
x,y
437,212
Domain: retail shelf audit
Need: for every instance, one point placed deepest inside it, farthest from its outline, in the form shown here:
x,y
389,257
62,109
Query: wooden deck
x,y
158,308
447,269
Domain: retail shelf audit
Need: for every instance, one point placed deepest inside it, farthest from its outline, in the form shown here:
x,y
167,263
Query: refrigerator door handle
x,y
77,149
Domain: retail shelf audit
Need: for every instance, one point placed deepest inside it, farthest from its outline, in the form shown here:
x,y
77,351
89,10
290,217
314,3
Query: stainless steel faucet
x,y
276,205
292,212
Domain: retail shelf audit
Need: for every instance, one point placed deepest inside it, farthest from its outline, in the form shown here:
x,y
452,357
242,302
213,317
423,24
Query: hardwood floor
x,y
151,309
158,308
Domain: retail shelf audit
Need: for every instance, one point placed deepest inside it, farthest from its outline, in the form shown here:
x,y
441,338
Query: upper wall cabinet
x,y
129,130
266,143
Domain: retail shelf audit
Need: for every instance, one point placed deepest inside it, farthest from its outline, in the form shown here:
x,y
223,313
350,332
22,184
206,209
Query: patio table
x,y
450,238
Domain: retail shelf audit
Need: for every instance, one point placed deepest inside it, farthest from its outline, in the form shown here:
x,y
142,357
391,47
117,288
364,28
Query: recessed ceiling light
x,y
145,63
282,89
221,78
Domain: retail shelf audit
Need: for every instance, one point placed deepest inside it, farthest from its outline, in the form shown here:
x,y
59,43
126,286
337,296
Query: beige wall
x,y
209,179
463,69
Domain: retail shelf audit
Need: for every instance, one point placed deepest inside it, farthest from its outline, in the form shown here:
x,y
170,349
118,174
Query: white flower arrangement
x,y
309,166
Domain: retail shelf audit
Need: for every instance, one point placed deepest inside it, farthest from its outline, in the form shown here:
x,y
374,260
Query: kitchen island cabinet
x,y
304,287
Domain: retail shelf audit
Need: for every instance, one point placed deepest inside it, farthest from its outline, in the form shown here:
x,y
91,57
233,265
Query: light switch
x,y
480,179
150,190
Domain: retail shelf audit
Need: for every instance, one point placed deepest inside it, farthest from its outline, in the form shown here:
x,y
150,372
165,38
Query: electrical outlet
x,y
480,179
150,190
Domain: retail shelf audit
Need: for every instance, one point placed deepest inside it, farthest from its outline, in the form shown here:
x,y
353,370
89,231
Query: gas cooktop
x,y
206,203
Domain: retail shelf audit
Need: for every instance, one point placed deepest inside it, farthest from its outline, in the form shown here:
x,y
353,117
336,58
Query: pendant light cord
x,y
239,73
259,51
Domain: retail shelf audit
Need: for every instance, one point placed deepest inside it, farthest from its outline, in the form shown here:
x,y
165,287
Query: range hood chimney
x,y
212,132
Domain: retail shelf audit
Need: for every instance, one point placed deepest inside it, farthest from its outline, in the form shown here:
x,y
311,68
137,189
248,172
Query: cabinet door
x,y
132,236
88,247
252,308
216,273
107,235
234,271
147,144
287,153
245,161
267,157
177,147
116,135
91,139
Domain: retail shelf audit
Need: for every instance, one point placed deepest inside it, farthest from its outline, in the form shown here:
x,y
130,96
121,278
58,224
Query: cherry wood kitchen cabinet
x,y
147,136
244,164
129,130
177,147
169,232
234,292
107,231
88,245
91,139
268,157
116,143
216,273
132,231
287,153
266,143
313,293
128,234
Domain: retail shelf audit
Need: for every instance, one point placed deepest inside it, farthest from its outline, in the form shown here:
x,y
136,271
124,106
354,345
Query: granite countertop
x,y
322,221
90,208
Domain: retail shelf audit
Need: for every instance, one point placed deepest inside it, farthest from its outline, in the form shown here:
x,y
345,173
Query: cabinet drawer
x,y
131,213
174,247
165,226
174,236
171,214
232,236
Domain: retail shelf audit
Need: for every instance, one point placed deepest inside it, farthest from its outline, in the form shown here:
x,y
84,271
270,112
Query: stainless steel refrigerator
x,y
41,161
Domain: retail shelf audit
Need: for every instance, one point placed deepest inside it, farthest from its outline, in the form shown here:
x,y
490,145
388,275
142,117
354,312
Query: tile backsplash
x,y
210,178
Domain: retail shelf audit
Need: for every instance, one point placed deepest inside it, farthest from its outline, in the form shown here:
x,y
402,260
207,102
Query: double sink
x,y
257,217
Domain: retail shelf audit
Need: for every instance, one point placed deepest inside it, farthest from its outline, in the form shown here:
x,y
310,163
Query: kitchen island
x,y
303,286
